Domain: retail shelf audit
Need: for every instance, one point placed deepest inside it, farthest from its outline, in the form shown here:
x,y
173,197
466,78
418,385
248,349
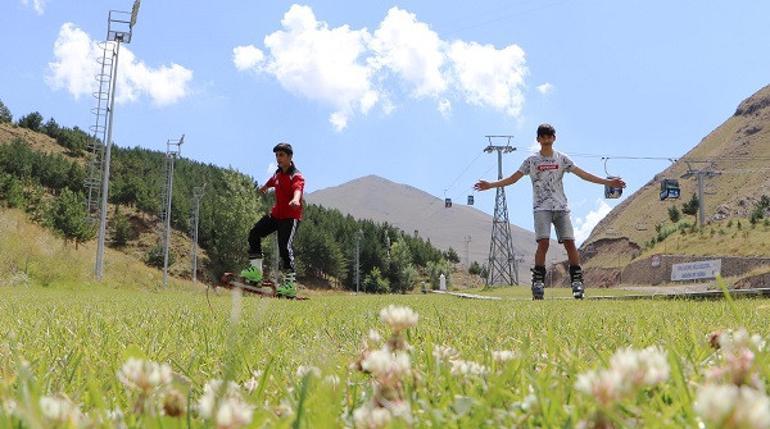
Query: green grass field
x,y
59,342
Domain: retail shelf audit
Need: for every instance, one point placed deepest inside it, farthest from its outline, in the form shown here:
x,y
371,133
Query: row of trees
x,y
389,261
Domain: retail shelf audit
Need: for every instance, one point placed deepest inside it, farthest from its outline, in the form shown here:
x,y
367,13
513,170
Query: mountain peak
x,y
759,101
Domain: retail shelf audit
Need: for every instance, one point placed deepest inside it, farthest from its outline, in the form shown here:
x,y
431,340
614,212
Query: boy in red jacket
x,y
284,218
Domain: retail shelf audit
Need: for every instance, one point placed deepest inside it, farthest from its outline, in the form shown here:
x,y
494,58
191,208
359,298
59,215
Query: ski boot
x,y
576,280
538,282
253,273
287,288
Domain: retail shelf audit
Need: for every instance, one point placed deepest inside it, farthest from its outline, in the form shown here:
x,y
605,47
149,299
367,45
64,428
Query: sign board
x,y
696,270
655,260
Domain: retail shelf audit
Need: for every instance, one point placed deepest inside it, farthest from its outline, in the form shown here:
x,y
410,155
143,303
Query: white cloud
x,y
37,5
545,88
534,147
321,63
411,50
349,69
271,167
490,77
75,67
584,226
445,107
247,57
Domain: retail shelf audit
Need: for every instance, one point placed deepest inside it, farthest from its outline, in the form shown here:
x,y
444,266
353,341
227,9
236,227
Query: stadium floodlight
x,y
134,13
98,181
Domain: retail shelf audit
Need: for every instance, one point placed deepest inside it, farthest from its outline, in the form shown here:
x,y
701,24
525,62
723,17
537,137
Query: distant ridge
x,y
409,208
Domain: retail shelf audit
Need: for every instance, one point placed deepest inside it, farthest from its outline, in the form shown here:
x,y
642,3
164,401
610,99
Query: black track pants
x,y
286,229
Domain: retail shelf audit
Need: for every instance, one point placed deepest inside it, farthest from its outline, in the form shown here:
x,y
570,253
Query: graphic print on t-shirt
x,y
546,174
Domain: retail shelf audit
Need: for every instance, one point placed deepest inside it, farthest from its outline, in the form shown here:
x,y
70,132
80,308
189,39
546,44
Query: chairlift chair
x,y
447,202
470,200
611,192
669,189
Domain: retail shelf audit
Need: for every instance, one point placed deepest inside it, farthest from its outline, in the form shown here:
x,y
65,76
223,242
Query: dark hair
x,y
283,147
546,130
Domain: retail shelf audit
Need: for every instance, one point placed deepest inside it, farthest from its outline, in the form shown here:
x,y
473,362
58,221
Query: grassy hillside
x,y
734,237
740,148
33,255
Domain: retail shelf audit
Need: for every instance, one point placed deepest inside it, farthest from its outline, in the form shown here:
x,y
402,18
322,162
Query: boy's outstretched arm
x,y
483,185
615,183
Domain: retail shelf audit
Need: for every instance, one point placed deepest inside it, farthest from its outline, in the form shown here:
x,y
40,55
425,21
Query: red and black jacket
x,y
285,184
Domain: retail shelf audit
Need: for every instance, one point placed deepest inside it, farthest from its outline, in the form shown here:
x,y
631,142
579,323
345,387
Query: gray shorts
x,y
559,219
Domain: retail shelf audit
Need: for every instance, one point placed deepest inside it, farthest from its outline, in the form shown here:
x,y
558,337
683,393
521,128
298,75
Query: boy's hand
x,y
294,203
482,185
616,183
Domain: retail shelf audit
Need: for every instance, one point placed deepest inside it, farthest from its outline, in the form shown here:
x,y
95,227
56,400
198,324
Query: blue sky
x,y
403,90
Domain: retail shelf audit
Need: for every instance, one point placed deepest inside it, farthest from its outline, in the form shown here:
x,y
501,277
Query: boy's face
x,y
283,160
546,139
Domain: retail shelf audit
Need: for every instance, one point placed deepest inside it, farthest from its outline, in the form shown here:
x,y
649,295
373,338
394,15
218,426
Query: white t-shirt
x,y
546,173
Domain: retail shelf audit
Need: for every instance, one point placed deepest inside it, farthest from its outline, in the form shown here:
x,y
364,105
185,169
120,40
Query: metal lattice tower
x,y
503,269
198,192
120,27
173,148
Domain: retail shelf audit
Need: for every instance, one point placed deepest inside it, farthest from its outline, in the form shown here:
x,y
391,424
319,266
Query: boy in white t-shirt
x,y
546,168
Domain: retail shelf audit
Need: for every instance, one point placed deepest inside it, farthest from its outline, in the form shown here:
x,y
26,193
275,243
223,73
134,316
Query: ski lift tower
x,y
700,174
503,268
120,26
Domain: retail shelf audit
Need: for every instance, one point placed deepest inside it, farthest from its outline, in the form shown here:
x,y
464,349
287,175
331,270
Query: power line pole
x,y
198,192
120,26
173,148
467,251
503,269
700,175
359,234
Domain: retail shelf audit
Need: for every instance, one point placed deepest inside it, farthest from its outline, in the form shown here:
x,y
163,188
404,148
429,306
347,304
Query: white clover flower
x,y
252,383
116,418
730,406
374,336
232,411
304,370
9,406
445,353
606,386
284,409
60,409
400,409
382,363
740,339
529,401
144,375
646,367
501,356
398,318
370,417
466,367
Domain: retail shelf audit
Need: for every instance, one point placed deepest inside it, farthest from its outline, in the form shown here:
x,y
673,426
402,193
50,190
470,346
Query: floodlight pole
x,y
171,155
106,175
119,35
197,196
